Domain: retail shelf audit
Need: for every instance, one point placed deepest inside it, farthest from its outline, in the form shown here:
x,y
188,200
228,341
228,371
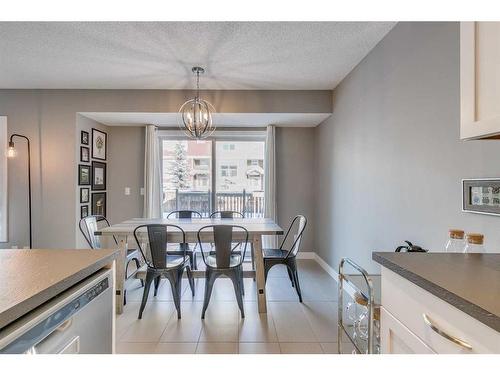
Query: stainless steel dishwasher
x,y
79,320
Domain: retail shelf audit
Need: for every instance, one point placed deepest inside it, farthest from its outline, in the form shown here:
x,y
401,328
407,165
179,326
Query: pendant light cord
x,y
197,85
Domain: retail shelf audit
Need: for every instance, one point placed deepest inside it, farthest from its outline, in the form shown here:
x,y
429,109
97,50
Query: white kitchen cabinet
x,y
480,80
416,321
395,338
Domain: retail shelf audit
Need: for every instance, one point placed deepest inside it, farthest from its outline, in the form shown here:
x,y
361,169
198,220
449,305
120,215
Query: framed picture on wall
x,y
98,204
84,195
83,174
84,154
481,196
84,211
84,137
98,175
99,144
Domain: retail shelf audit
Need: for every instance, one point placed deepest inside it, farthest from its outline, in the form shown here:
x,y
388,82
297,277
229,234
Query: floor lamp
x,y
12,153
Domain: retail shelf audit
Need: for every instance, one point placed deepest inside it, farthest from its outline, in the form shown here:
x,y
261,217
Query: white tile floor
x,y
288,327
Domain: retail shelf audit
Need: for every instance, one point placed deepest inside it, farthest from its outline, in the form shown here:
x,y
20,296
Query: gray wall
x,y
295,178
125,169
48,117
390,160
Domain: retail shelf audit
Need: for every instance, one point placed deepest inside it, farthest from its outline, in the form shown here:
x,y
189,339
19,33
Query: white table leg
x,y
120,272
259,273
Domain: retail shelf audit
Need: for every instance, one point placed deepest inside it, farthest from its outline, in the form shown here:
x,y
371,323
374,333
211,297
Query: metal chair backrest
x,y
223,239
184,214
294,249
226,214
88,226
158,240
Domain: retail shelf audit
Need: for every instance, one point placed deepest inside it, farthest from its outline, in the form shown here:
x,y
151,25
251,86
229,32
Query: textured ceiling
x,y
159,55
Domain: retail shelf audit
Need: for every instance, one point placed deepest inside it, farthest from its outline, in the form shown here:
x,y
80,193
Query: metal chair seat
x,y
234,261
174,261
274,253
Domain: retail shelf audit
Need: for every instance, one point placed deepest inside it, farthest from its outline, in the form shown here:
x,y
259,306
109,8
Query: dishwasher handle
x,y
51,340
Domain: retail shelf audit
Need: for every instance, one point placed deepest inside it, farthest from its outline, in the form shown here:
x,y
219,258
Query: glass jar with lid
x,y
475,243
456,242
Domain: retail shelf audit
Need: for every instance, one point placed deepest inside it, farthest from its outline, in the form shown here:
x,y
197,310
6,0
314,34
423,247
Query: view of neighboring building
x,y
187,175
240,165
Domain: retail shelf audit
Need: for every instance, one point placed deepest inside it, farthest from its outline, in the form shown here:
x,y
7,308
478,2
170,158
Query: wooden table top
x,y
254,226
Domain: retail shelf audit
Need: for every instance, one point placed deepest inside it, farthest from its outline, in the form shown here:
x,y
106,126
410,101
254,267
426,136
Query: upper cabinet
x,y
480,80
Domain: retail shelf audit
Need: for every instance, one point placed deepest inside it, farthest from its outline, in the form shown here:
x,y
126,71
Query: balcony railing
x,y
251,204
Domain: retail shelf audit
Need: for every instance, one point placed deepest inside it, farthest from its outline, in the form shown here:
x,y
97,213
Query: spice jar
x,y
475,243
456,242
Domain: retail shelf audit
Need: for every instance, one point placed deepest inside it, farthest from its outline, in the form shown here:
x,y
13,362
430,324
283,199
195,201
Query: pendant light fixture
x,y
195,115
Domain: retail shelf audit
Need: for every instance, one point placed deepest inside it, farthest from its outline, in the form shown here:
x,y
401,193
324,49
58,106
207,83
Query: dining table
x,y
123,234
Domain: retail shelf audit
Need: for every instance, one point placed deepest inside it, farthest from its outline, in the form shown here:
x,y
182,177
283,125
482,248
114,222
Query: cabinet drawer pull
x,y
442,333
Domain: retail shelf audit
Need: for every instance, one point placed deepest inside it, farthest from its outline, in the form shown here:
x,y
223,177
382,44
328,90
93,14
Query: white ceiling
x,y
159,55
220,119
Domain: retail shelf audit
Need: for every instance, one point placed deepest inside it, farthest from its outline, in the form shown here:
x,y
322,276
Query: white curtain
x,y
270,209
152,174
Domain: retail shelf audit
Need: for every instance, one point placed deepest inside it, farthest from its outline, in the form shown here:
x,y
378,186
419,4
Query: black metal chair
x,y
232,215
273,257
226,214
223,261
185,214
161,264
89,225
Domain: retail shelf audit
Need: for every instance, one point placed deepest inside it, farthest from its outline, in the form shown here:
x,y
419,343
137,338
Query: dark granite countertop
x,y
470,282
30,278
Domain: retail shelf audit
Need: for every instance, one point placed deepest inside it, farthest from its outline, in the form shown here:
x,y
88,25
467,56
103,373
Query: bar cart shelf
x,y
363,291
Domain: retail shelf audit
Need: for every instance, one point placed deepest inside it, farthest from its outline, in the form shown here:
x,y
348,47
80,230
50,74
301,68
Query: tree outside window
x,y
179,170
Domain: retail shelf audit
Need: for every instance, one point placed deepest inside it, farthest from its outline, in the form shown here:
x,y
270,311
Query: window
x,y
214,174
201,163
228,170
184,187
255,162
201,181
239,186
255,182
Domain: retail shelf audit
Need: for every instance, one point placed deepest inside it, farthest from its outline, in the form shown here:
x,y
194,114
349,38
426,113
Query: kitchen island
x,y
440,302
38,282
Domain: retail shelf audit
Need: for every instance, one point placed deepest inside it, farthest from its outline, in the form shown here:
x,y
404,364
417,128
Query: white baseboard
x,y
306,255
331,271
328,269
312,255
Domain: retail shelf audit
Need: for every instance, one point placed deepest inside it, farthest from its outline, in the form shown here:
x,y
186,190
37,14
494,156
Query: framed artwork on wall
x,y
481,196
84,195
83,174
84,154
99,144
84,137
98,175
99,204
84,211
